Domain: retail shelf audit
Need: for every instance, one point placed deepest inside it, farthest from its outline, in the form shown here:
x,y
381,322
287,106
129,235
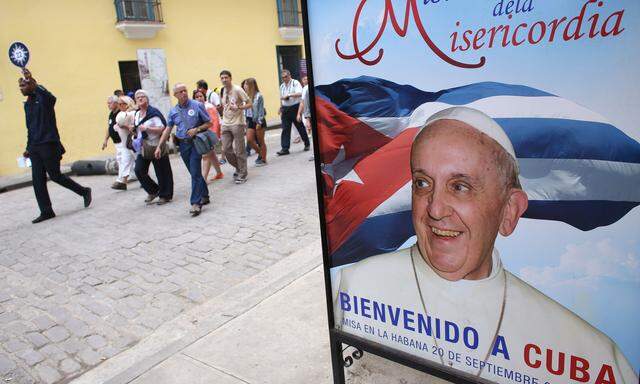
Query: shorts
x,y
252,124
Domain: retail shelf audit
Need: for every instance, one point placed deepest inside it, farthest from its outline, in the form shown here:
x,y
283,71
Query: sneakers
x,y
282,152
150,199
43,217
260,163
241,179
87,197
223,161
119,186
196,209
163,201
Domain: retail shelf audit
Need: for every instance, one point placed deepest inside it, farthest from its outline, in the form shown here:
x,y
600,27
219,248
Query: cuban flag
x,y
574,165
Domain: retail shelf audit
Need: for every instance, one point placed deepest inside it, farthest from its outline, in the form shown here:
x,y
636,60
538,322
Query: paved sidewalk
x,y
92,283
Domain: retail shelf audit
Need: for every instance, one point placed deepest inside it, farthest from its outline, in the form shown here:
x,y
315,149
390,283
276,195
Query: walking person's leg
x,y
146,182
260,129
200,191
164,174
251,140
192,161
206,166
51,159
128,160
285,136
121,180
227,147
213,159
39,179
239,132
307,125
223,156
300,127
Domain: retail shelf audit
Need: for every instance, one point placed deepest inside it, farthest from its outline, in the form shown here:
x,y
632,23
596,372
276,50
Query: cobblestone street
x,y
79,289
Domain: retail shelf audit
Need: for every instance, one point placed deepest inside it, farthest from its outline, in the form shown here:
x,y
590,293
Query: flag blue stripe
x,y
569,139
584,215
367,96
472,92
385,233
376,235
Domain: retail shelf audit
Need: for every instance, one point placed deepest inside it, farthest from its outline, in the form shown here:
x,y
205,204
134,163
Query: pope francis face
x,y
460,199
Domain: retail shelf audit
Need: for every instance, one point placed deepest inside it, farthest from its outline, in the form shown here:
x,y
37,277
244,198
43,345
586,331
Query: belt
x,y
186,140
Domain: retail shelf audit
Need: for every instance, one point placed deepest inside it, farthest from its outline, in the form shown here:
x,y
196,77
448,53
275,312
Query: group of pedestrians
x,y
236,115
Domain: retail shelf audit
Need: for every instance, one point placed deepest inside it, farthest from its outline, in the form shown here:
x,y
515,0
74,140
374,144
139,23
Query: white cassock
x,y
499,323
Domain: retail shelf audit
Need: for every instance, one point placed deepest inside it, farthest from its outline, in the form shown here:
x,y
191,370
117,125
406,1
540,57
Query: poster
x,y
499,237
152,64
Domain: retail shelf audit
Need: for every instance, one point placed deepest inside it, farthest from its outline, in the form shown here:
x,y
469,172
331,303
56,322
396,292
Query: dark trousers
x,y
162,167
193,161
45,160
288,117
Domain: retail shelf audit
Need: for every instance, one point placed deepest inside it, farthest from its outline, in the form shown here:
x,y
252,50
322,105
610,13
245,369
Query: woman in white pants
x,y
112,103
124,156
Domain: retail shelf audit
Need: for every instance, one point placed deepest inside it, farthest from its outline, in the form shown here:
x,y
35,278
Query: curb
x,y
24,181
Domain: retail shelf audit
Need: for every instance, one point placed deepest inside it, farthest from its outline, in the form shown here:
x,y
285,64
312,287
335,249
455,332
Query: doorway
x,y
129,76
289,57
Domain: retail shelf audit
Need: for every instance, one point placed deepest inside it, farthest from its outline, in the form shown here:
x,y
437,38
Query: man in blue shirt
x,y
44,146
190,117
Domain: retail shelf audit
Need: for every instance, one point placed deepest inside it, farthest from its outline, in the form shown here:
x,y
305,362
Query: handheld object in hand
x,y
19,54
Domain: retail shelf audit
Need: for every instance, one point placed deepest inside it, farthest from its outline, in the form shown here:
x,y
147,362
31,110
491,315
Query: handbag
x,y
149,151
205,142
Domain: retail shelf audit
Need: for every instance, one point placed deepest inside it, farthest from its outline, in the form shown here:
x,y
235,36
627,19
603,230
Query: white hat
x,y
477,120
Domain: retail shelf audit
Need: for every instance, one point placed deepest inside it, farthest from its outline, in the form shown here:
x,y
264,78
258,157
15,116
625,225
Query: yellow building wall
x,y
75,49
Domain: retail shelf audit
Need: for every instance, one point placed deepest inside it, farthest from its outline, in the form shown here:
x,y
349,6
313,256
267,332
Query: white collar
x,y
495,277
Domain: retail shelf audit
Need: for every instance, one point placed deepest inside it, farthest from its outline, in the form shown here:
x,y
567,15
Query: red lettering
x,y
411,9
493,31
582,369
479,35
505,36
554,25
578,19
514,40
543,30
465,38
454,37
593,32
560,370
527,357
606,375
616,28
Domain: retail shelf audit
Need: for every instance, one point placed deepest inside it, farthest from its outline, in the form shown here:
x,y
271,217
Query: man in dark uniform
x,y
44,146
